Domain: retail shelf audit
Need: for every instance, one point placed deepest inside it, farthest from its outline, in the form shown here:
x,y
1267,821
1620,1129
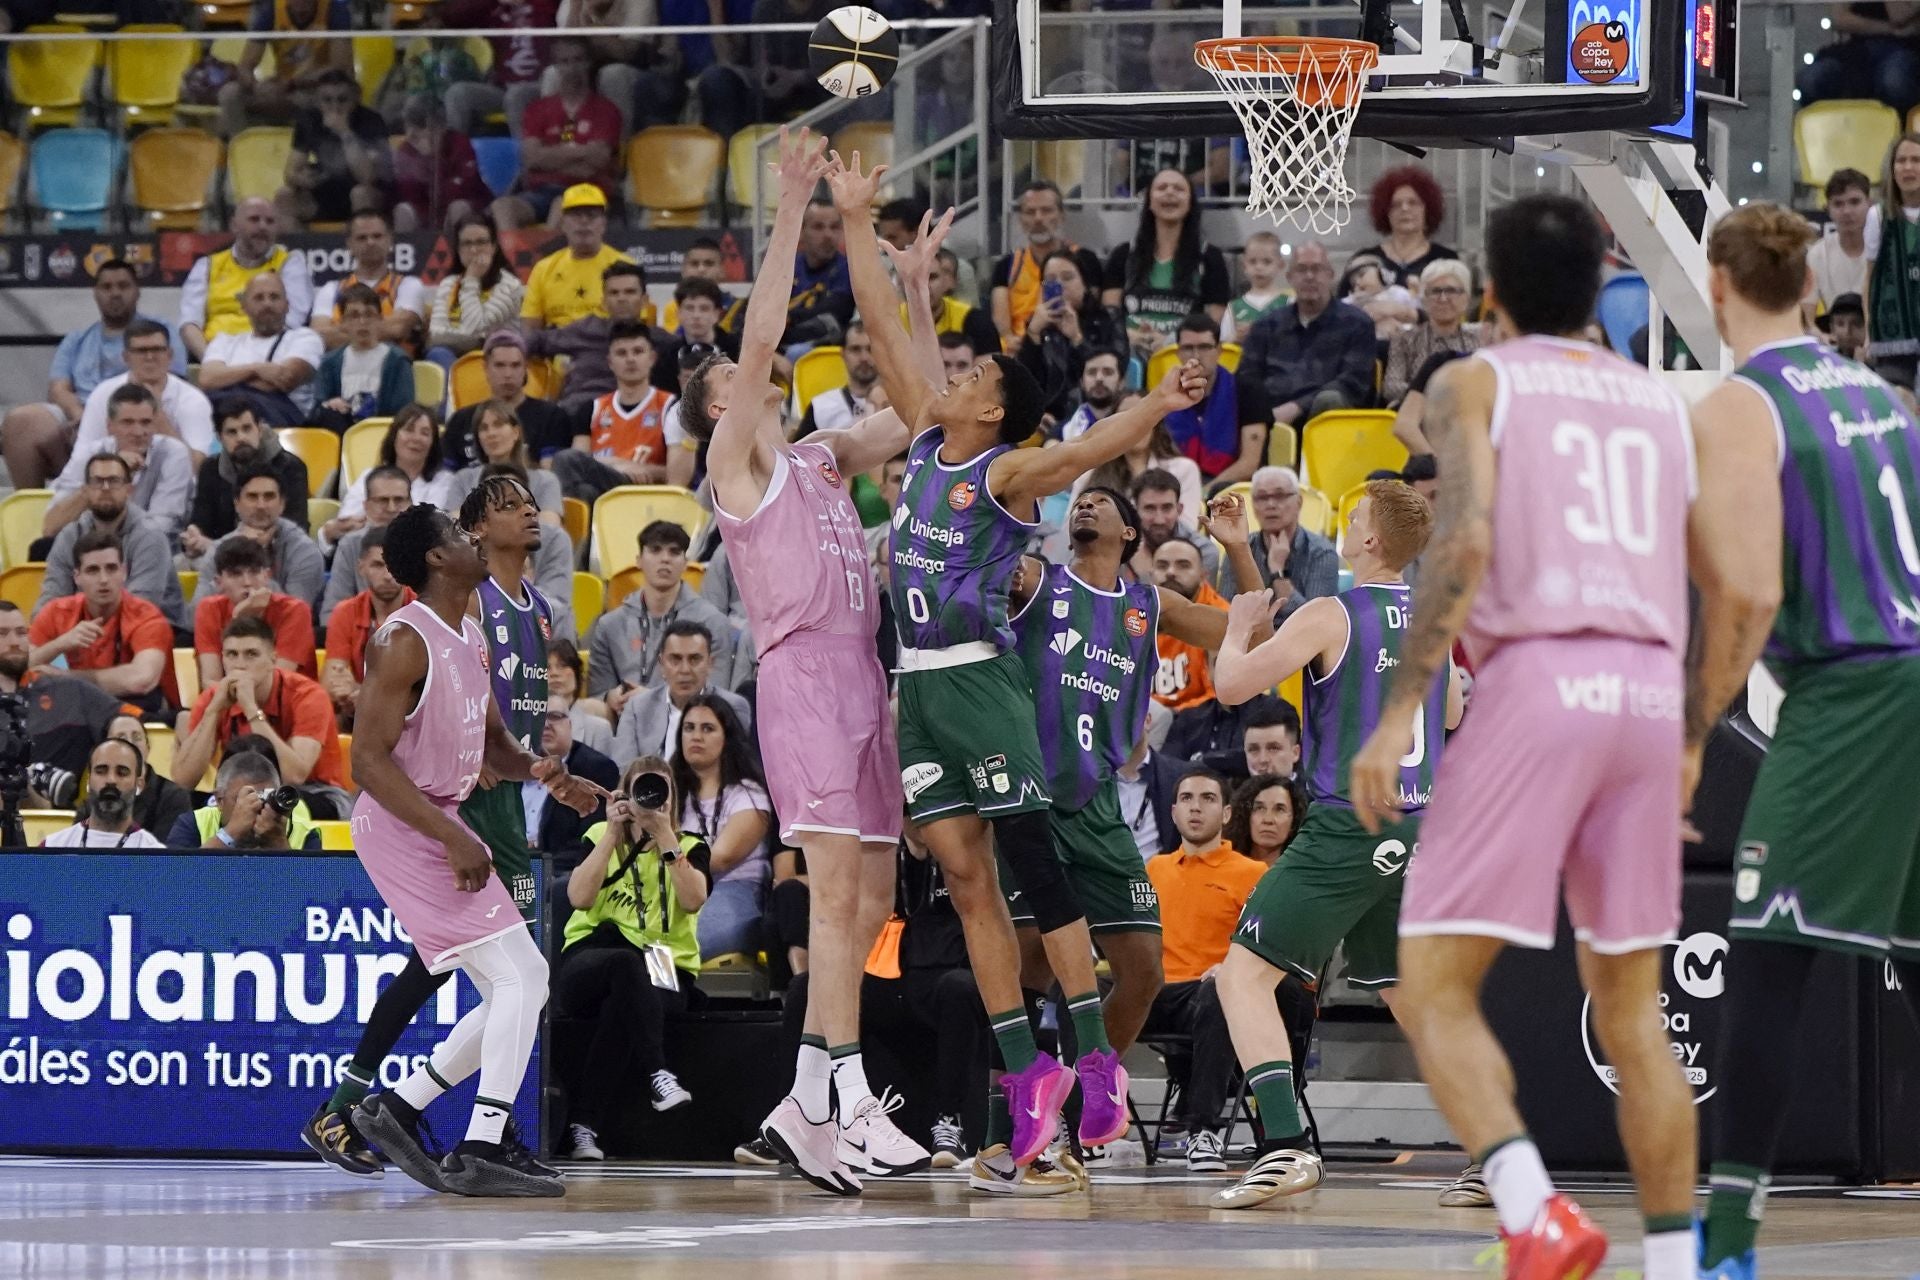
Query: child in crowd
x,y
1260,261
367,378
1391,307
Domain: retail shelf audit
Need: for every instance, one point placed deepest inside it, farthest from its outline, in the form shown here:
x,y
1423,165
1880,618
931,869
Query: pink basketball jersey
x,y
1595,474
800,557
445,736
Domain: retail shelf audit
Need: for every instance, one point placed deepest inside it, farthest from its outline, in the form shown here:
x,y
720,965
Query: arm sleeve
x,y
293,639
533,301
64,357
1250,380
58,579
1393,388
326,379
1114,273
1323,574
503,304
193,296
193,419
299,283
205,513
344,581
306,571
178,366
173,488
206,628
149,568
298,485
602,673
396,383
441,319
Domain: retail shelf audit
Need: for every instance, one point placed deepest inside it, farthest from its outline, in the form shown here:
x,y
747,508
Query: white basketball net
x,y
1297,100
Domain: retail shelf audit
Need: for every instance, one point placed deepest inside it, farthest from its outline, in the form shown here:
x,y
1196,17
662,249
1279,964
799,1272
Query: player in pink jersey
x,y
1560,551
797,550
426,729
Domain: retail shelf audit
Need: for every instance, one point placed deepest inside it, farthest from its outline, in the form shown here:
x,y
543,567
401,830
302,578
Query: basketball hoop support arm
x,y
1634,188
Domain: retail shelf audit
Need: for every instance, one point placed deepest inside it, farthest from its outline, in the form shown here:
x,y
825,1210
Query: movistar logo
x,y
1063,643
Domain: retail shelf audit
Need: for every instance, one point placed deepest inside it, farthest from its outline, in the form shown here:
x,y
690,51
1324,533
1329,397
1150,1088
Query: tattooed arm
x,y
1458,417
1733,554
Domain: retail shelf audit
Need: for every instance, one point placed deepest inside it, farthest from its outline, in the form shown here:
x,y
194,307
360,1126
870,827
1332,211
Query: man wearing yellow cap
x,y
565,285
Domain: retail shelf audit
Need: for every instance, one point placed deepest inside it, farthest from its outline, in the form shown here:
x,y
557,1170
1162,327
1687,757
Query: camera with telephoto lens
x,y
60,786
282,800
648,791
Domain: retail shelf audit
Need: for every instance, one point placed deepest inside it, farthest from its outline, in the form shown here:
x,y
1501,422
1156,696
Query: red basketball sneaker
x,y
1562,1244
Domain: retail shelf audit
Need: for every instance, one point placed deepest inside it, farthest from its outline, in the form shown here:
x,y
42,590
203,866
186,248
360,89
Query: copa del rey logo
x,y
961,496
1136,623
1696,976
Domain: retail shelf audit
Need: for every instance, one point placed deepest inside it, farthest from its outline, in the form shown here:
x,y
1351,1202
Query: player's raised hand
x,y
914,263
575,792
853,191
1226,520
1248,610
1184,386
1374,779
802,162
468,859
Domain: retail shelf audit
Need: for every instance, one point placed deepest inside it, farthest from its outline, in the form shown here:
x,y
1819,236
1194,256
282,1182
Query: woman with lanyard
x,y
1893,268
481,297
628,955
723,797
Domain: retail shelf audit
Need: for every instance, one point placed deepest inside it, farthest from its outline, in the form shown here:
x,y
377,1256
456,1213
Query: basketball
x,y
854,52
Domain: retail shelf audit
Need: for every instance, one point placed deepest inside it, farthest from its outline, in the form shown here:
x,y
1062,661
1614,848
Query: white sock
x,y
810,1078
1670,1256
850,1084
515,974
1519,1183
454,1059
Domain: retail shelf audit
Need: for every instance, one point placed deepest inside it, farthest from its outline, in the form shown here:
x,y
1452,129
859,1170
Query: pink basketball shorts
x,y
1565,776
826,738
411,872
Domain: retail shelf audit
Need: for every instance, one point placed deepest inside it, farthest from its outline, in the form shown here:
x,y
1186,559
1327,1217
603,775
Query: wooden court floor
x,y
63,1219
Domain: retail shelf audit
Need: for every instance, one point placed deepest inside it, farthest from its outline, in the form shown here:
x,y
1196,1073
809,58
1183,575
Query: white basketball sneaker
x,y
872,1144
811,1147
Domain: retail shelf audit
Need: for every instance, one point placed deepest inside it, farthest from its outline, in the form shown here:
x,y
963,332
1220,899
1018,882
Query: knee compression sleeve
x,y
1026,842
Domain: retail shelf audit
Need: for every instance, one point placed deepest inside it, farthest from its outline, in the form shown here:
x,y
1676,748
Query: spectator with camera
x,y
627,640
291,713
724,800
144,548
162,801
243,588
556,828
650,722
105,635
244,445
630,955
251,810
62,721
114,771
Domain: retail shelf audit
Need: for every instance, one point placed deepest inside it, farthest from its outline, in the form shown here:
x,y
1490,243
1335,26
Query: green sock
x,y
1272,1085
355,1082
999,1119
1737,1193
1015,1037
1089,1024
1662,1223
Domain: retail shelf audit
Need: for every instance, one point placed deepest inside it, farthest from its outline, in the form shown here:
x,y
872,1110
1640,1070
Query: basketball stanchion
x,y
1296,97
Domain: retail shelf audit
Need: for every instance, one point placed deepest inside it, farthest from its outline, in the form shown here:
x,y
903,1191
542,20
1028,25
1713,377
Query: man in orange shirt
x,y
1202,886
108,637
624,437
356,618
289,712
243,588
1184,680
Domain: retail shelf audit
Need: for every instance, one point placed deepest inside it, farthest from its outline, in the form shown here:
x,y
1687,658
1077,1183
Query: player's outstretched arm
x,y
1459,421
905,380
1246,667
735,435
1225,521
1733,555
1027,475
396,666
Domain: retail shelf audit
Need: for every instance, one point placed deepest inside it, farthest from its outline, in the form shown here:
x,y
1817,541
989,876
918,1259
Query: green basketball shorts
x,y
1102,864
968,742
1335,882
498,817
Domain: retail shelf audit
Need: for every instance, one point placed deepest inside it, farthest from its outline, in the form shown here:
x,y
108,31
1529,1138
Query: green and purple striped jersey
x,y
517,658
1090,656
954,551
1850,495
1343,706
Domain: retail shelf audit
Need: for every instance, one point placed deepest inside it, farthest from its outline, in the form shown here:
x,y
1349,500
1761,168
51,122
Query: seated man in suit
x,y
651,718
554,828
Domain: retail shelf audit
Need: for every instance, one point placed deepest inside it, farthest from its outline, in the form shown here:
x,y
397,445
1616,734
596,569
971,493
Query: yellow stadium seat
x,y
622,512
186,672
372,58
319,448
1316,513
1230,356
694,575
257,162
50,78
38,824
171,170
1348,501
542,379
873,139
817,372
144,76
469,381
429,384
1339,447
189,582
360,449
346,763
319,511
672,169
1293,689
1844,133
589,599
623,584
1159,362
22,512
13,154
1283,445
1062,161
575,518
20,584
744,168
320,657
160,745
335,835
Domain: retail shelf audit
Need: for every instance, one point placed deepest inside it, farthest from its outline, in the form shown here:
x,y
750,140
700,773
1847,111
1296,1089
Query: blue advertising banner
x,y
197,1003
